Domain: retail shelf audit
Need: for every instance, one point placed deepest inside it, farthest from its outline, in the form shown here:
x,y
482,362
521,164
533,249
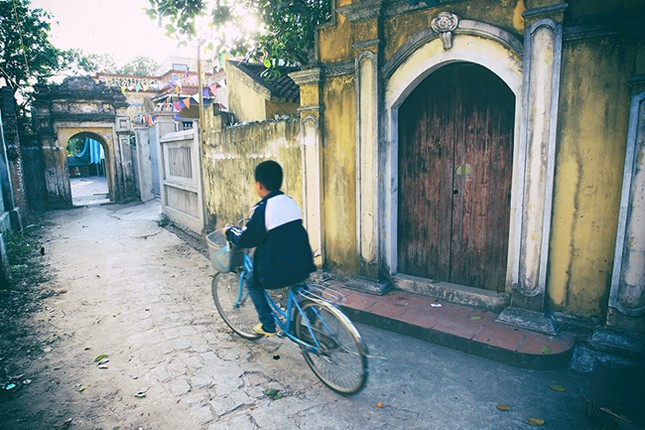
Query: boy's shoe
x,y
260,330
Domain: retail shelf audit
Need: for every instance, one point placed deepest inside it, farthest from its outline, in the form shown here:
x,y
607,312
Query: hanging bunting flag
x,y
138,87
213,88
187,102
177,106
123,88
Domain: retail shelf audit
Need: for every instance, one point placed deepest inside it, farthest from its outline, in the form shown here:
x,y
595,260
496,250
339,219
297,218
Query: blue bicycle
x,y
330,343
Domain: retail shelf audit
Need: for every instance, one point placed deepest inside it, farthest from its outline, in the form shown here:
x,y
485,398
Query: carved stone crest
x,y
444,24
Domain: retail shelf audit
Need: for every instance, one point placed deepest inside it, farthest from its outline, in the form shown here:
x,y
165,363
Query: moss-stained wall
x,y
274,109
594,113
229,159
339,178
592,124
505,14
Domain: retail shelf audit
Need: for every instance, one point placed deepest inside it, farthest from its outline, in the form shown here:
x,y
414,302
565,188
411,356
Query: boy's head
x,y
269,175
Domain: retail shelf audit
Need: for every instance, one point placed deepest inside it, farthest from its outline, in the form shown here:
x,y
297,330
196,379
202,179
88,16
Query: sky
x,y
117,27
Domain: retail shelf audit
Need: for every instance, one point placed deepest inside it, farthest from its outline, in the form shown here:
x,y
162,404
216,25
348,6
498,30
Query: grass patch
x,y
24,295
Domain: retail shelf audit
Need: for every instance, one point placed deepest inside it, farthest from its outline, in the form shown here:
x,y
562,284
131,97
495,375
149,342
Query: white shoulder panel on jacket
x,y
280,210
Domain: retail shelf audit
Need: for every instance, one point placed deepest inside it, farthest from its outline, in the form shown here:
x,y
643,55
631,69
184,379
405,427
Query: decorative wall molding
x,y
444,24
340,68
307,76
545,11
466,27
627,293
366,44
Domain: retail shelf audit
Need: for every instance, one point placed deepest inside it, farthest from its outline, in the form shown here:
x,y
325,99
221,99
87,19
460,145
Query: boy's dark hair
x,y
269,174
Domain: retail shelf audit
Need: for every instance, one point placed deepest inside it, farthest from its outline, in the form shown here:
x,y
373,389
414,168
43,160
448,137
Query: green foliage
x,y
105,63
75,146
139,66
26,54
270,31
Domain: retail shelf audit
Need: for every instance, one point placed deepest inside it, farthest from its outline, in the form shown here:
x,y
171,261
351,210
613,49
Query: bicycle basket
x,y
225,256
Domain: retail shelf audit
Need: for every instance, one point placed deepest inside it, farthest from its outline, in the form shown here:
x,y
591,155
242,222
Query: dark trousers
x,y
261,306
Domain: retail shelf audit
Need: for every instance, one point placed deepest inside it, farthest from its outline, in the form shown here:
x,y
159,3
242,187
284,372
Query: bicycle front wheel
x,y
234,304
340,360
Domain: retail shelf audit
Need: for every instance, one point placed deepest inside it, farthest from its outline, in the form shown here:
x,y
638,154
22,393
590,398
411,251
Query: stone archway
x,y
87,164
403,76
79,106
532,71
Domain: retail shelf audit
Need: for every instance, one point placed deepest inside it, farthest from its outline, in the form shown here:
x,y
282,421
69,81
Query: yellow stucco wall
x,y
339,178
245,103
505,14
229,160
594,113
274,109
591,136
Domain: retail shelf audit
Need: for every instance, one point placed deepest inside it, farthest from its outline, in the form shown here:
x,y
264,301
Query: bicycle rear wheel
x,y
235,307
341,360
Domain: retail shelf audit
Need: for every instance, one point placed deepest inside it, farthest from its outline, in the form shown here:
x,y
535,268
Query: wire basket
x,y
225,256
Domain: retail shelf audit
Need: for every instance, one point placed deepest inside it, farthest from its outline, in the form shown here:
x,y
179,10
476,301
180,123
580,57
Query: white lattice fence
x,y
181,190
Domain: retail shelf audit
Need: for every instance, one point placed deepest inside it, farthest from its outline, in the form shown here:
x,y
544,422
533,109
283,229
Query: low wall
x,y
230,154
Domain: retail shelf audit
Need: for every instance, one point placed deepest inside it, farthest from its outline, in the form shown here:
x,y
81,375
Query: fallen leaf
x,y
545,350
140,394
83,388
558,388
535,421
65,424
475,317
103,367
104,361
101,357
61,292
273,393
379,405
503,407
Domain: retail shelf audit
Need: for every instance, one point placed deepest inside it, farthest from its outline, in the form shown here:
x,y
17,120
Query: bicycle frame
x,y
282,317
248,268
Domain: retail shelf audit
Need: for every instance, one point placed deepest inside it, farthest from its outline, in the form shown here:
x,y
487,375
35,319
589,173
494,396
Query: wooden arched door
x,y
455,172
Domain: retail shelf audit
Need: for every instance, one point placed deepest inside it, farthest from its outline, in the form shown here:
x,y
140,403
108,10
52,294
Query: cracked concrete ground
x,y
136,292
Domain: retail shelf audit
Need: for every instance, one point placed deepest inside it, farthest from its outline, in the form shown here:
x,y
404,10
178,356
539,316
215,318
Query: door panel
x,y
455,164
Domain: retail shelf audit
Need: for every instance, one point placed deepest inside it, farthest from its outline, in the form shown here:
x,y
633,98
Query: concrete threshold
x,y
465,328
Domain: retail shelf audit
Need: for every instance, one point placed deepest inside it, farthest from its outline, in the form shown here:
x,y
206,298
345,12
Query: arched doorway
x,y
455,165
87,168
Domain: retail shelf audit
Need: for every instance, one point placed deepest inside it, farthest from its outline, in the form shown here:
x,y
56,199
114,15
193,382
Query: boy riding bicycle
x,y
283,255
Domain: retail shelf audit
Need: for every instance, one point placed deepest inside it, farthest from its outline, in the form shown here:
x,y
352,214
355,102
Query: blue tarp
x,y
92,153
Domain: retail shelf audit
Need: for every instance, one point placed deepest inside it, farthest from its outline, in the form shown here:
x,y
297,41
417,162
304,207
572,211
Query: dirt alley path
x,y
128,288
125,293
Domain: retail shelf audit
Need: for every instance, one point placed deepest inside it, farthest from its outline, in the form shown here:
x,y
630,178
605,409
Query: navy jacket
x,y
283,255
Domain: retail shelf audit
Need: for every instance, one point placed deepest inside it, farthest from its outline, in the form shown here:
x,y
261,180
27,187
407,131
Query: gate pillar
x,y
542,61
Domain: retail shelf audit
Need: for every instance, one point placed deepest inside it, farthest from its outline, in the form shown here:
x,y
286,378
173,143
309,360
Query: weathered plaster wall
x,y
339,177
274,109
244,101
230,155
335,41
505,14
594,113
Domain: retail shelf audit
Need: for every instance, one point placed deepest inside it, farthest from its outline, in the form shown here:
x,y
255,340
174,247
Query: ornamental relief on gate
x,y
444,24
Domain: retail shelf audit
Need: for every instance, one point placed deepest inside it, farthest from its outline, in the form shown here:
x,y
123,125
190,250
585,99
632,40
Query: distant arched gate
x,y
80,106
